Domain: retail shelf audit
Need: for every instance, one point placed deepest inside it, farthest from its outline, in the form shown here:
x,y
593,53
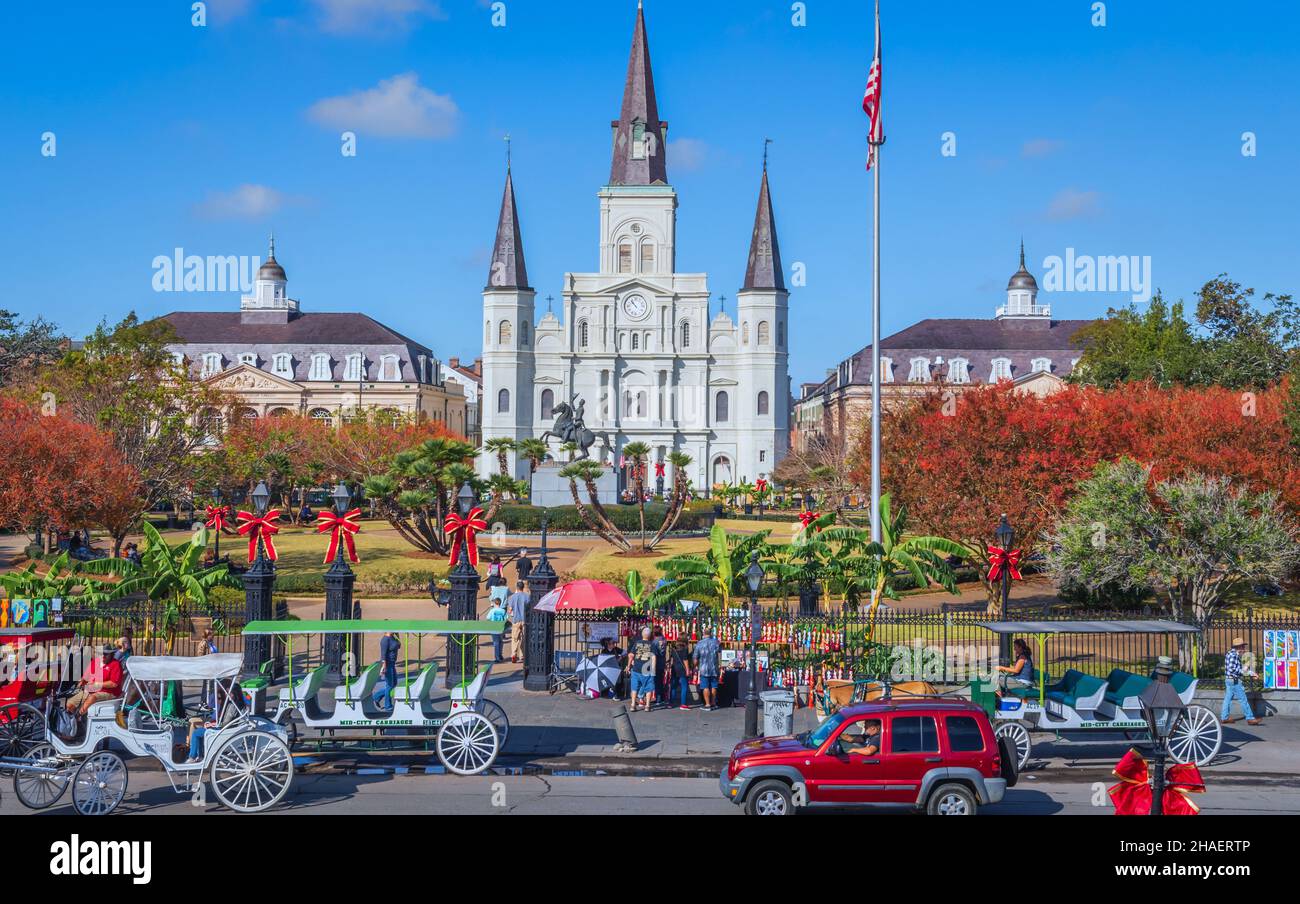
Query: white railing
x,y
1020,310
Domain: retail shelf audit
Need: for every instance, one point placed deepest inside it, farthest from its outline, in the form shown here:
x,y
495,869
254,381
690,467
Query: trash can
x,y
778,711
254,695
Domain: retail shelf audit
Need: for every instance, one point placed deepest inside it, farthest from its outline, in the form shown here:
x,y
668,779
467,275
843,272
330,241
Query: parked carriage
x,y
1081,704
467,734
23,690
245,758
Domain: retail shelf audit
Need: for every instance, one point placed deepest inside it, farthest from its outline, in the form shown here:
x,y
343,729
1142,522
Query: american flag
x,y
871,99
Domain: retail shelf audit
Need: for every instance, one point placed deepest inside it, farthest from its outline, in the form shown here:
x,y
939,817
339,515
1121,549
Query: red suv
x,y
937,755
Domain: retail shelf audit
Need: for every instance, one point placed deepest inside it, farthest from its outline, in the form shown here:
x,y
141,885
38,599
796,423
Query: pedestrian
x,y
705,660
518,608
524,565
497,614
662,677
641,668
389,646
679,672
1233,671
494,576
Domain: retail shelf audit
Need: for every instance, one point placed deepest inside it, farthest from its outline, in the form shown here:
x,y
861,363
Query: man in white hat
x,y
1233,670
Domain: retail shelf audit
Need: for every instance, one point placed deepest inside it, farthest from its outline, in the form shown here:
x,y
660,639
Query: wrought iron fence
x,y
145,619
938,645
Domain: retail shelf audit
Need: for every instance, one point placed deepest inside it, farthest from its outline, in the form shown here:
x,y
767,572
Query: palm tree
x,y
169,575
535,451
719,573
638,454
502,446
589,472
681,487
419,491
569,447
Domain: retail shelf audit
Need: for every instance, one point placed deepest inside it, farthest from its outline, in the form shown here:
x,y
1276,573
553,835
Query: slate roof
x,y
764,268
507,269
639,105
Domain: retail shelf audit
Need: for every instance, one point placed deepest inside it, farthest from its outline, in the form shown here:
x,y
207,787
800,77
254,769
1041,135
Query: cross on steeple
x,y
507,141
766,142
549,299
722,300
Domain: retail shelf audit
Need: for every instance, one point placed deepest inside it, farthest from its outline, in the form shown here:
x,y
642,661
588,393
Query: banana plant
x,y
61,581
716,574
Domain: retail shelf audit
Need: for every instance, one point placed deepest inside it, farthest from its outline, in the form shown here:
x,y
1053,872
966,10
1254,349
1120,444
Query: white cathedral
x,y
636,352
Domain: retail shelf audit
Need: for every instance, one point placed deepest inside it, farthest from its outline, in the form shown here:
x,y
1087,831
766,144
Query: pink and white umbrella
x,y
584,594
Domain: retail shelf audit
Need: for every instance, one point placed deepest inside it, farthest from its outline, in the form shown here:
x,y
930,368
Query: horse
x,y
565,432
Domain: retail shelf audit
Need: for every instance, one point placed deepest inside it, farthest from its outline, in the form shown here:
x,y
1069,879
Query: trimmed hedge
x,y
528,518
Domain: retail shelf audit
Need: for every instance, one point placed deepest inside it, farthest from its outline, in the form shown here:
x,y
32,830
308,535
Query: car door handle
x,y
934,759
869,762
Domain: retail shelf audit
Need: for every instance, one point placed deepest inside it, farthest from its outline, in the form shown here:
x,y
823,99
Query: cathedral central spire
x,y
639,135
507,270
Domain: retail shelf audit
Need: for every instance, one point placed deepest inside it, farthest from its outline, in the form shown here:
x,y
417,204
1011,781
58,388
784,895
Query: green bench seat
x,y
1025,692
1122,686
1077,691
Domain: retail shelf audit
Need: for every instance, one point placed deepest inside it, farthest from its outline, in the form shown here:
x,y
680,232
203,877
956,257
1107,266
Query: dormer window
x,y
353,373
320,367
886,370
389,369
920,372
1041,365
958,370
211,364
249,359
1001,370
282,366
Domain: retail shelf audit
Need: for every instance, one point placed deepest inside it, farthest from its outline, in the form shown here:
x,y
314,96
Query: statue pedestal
x,y
550,489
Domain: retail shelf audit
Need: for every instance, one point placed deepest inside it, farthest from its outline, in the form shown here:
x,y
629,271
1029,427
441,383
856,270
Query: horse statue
x,y
569,428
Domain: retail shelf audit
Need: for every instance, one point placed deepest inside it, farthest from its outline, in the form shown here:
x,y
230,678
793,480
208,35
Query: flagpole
x,y
874,141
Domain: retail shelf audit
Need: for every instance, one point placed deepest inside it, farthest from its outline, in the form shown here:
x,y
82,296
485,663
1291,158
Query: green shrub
x,y
528,518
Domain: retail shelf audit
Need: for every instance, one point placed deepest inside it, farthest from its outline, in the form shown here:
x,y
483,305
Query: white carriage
x,y
468,731
245,758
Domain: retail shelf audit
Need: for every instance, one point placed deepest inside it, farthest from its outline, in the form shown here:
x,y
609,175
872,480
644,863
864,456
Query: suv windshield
x,y
818,737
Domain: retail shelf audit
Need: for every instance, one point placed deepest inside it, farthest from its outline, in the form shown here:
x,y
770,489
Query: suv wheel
x,y
951,800
770,798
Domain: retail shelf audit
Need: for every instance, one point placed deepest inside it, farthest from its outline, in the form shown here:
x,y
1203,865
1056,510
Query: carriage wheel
x,y
1018,735
36,791
497,716
22,728
252,771
467,743
1197,737
99,784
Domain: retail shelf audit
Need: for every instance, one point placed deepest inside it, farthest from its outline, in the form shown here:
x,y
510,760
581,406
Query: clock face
x,y
636,307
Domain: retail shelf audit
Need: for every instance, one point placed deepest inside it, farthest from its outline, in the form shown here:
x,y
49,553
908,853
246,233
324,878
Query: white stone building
x,y
636,347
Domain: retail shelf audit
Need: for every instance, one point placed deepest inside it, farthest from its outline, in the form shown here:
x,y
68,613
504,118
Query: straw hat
x,y
1238,641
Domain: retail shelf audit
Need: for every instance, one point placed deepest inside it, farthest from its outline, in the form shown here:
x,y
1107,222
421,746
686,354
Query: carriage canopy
x,y
213,667
1088,627
372,626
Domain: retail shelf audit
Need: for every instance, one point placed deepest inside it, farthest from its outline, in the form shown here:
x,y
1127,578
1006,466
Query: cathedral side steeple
x,y
507,270
639,135
764,268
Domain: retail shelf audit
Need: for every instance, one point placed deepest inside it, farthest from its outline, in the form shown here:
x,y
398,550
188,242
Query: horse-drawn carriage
x,y
467,734
245,758
1085,704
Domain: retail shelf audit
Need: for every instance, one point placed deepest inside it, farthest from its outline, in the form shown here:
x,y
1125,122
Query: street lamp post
x,y
462,649
259,581
339,582
1006,536
539,649
754,576
1162,708
216,549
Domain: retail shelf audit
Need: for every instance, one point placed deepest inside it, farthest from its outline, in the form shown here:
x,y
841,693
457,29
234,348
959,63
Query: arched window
x,y
780,334
248,358
282,366
647,257
642,404
1041,365
686,335
722,469
584,334
762,403
487,332
721,408
210,424
636,341
246,414
764,333
625,258
523,333
744,333
320,414
389,369
320,367
504,333
279,412
503,402
548,405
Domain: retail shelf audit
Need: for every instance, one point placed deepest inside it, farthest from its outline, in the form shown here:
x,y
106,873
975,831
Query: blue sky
x,y
1123,139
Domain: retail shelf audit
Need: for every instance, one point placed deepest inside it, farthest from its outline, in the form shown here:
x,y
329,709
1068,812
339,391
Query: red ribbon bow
x,y
1000,558
807,518
254,527
761,484
341,525
1132,796
463,530
217,516
659,469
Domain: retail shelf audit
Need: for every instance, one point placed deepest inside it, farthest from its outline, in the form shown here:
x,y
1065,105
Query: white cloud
x,y
352,16
247,202
397,107
1041,147
688,154
1072,204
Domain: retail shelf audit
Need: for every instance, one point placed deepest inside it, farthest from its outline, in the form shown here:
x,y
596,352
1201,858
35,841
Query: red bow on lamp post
x,y
807,518
659,469
217,516
1132,796
254,526
462,530
343,526
761,485
1000,558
